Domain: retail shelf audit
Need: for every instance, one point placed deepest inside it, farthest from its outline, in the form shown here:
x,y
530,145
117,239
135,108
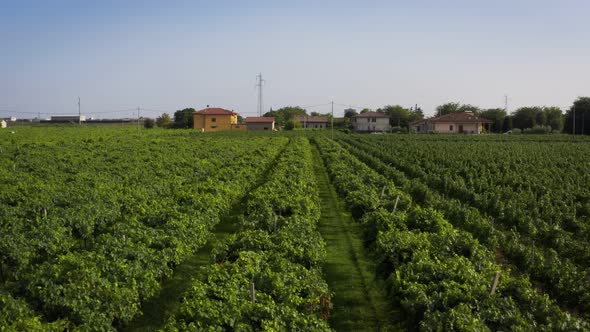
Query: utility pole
x,y
259,85
505,103
574,129
332,120
137,118
79,113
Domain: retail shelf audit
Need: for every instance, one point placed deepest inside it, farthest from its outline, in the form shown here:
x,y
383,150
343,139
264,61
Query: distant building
x,y
315,122
3,124
216,119
260,123
68,118
371,122
452,123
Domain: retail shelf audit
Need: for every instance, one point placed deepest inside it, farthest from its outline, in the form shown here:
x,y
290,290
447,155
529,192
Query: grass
x,y
359,299
157,309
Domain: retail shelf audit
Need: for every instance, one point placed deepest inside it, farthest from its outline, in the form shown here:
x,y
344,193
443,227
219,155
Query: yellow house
x,y
216,119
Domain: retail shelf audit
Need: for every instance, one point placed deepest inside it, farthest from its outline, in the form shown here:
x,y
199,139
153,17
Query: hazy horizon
x,y
167,56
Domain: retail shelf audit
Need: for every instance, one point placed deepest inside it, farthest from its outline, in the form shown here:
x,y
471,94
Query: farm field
x,y
132,230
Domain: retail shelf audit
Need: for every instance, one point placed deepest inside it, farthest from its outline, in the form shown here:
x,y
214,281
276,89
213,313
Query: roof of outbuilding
x,y
215,111
371,114
260,119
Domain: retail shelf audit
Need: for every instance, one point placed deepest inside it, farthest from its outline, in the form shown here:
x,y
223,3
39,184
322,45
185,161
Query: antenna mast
x,y
260,101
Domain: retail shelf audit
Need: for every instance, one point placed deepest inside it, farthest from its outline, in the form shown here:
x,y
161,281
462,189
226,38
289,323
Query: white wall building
x,y
371,122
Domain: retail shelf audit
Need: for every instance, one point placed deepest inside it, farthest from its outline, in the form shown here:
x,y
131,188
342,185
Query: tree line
x,y
534,119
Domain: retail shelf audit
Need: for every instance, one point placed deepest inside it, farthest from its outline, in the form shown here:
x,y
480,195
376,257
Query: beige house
x,y
314,122
261,123
371,122
452,123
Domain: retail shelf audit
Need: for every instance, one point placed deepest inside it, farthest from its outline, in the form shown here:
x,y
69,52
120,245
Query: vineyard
x,y
95,223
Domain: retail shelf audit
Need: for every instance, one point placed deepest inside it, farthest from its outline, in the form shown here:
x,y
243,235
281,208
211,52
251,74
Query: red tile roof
x,y
372,115
262,119
460,117
215,111
313,119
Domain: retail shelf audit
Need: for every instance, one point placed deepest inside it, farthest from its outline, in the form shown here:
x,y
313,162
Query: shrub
x,y
148,123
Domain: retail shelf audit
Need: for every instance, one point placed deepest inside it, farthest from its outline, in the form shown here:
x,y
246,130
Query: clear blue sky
x,y
167,55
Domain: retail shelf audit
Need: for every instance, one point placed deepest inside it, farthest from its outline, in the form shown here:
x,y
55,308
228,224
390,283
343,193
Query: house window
x,y
265,128
368,120
451,128
374,119
213,120
213,127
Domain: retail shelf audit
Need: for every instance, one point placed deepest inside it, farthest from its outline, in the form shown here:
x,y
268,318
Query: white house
x,y
452,123
2,124
371,122
309,121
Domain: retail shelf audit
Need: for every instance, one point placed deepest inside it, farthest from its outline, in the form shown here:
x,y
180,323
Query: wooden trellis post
x,y
252,292
494,283
396,201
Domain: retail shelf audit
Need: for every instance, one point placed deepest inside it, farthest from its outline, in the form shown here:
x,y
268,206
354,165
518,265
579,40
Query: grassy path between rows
x,y
359,299
157,309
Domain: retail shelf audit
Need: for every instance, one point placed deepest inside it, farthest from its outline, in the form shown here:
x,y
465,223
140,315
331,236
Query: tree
x,y
292,124
315,114
350,112
416,114
582,112
163,121
365,110
448,108
554,118
470,108
184,118
398,115
497,116
282,115
148,123
526,117
507,125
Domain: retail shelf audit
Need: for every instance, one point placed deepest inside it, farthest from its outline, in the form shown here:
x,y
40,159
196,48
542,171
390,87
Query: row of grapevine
x,y
437,273
266,276
559,276
543,190
91,222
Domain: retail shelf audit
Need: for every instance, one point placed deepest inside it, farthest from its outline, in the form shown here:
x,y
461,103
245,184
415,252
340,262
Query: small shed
x,y
261,123
3,124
